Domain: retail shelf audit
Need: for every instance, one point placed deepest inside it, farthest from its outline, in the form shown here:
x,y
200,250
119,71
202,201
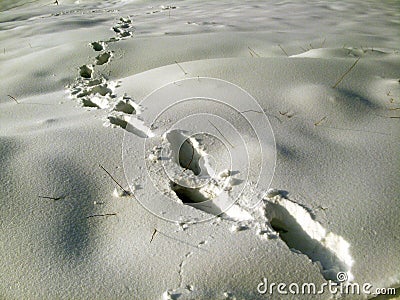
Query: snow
x,y
244,154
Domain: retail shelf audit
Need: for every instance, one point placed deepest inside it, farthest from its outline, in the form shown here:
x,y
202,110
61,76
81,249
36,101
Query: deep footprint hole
x,y
280,227
189,157
195,198
85,71
188,195
298,240
185,151
97,46
125,34
118,122
102,90
124,106
89,103
103,58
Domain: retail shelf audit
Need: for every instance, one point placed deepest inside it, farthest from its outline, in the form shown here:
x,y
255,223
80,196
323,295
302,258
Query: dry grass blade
x,y
13,98
323,42
101,215
286,114
260,112
191,159
114,180
252,51
345,73
183,70
51,198
283,50
221,134
320,121
152,236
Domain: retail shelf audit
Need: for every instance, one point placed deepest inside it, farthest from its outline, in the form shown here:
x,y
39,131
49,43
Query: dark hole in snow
x,y
188,195
125,107
88,103
118,122
279,227
103,58
298,240
97,46
189,157
85,71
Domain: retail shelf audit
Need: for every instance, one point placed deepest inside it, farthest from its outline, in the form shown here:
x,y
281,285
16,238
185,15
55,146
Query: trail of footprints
x,y
93,90
279,216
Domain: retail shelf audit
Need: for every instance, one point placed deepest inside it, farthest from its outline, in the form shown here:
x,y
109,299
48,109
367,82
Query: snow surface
x,y
295,187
